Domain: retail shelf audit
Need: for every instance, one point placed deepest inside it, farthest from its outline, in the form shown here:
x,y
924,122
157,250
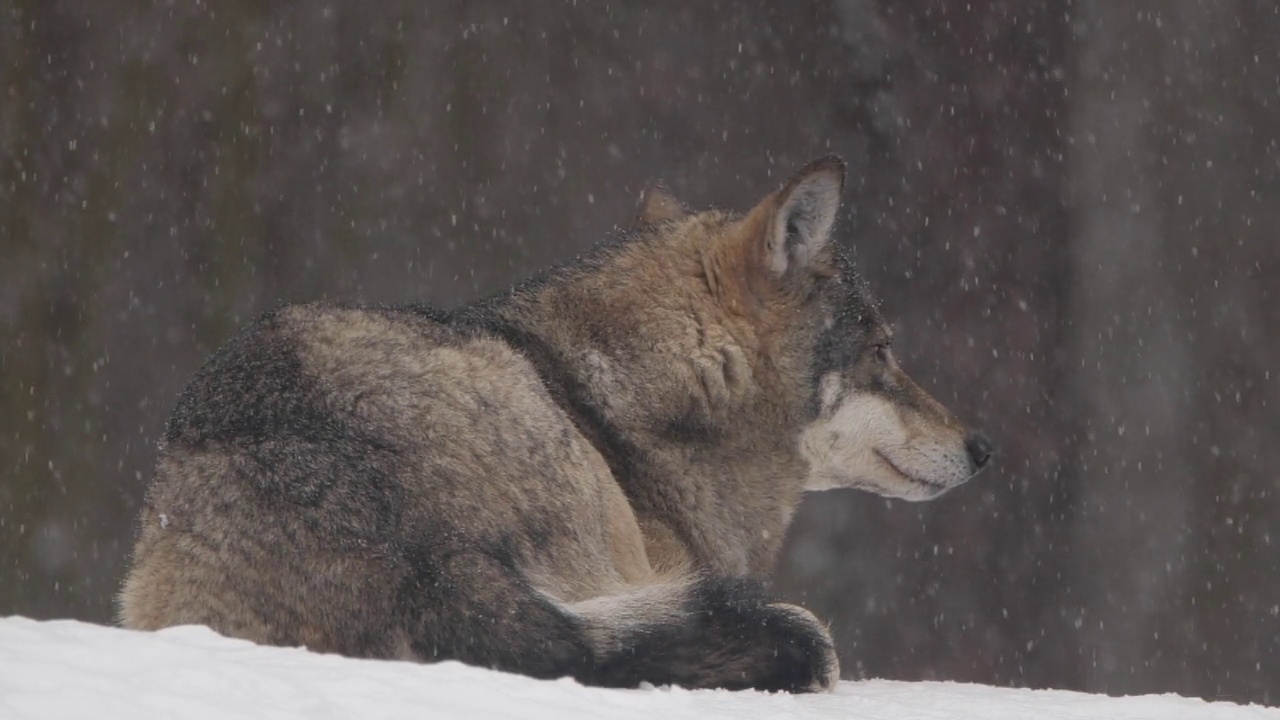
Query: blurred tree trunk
x,y
60,182
1176,204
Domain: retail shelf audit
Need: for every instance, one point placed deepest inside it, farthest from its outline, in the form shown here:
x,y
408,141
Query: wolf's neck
x,y
727,499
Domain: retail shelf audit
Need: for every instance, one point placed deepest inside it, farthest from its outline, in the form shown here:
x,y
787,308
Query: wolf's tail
x,y
696,632
704,632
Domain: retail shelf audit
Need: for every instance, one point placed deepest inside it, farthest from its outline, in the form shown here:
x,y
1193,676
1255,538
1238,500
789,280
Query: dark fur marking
x,y
253,395
691,428
619,454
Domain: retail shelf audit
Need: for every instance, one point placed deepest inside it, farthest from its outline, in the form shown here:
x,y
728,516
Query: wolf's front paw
x,y
807,657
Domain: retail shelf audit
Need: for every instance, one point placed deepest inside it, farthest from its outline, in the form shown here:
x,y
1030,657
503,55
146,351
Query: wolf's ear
x,y
657,205
804,215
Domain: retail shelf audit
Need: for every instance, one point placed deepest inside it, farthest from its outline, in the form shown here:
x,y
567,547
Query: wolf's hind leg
x,y
708,633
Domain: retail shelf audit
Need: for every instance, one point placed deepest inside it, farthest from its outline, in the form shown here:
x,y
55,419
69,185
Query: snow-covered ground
x,y
66,669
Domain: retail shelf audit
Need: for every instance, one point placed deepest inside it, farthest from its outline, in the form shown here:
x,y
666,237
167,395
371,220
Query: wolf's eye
x,y
882,352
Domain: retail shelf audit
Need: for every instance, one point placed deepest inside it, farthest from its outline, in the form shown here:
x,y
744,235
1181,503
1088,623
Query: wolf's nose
x,y
979,448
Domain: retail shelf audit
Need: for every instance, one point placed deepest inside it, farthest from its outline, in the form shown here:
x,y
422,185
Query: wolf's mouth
x,y
908,476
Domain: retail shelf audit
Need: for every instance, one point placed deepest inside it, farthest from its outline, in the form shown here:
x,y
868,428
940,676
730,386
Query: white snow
x,y
74,670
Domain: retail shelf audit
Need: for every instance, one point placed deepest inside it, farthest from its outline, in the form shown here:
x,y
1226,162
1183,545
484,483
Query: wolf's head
x,y
743,349
795,305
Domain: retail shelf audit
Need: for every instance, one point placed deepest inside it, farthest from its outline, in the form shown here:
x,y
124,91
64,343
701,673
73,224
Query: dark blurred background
x,y
1068,206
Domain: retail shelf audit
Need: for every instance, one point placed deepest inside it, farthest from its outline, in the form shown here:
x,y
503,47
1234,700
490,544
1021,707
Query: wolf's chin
x,y
912,488
907,488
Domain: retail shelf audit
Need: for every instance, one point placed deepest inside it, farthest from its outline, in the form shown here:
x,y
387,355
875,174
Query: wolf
x,y
589,475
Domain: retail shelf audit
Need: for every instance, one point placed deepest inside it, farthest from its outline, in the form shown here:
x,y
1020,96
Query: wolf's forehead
x,y
852,319
853,302
855,322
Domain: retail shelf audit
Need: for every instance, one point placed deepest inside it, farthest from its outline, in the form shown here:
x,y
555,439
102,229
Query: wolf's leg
x,y
710,633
